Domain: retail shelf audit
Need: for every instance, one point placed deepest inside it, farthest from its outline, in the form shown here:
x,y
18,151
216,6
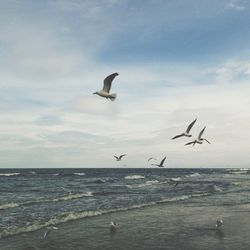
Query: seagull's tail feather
x,y
113,97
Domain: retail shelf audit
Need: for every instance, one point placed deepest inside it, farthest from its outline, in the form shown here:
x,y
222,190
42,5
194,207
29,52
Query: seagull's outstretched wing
x,y
161,164
151,158
116,157
189,143
177,136
122,156
108,81
191,125
202,131
207,141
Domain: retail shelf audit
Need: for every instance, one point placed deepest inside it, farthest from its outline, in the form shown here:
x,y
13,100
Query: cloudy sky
x,y
178,60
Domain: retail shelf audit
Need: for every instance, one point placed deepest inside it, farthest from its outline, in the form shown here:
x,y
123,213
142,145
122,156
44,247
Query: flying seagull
x,y
186,133
151,158
199,140
106,87
118,158
48,230
161,164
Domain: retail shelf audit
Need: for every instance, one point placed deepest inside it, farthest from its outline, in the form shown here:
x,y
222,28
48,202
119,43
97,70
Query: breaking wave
x,y
65,217
8,205
9,174
134,177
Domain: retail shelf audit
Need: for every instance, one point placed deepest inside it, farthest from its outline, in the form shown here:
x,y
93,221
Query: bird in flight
x,y
151,158
199,140
106,88
186,133
161,164
48,230
118,158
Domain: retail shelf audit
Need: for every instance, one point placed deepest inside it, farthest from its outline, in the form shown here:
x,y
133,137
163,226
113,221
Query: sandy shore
x,y
164,226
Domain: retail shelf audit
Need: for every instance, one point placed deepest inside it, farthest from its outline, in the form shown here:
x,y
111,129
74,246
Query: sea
x,y
34,199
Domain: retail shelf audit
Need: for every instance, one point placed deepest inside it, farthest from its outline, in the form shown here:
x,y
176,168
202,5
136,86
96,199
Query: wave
x,y
176,179
8,205
215,188
193,175
240,172
81,174
134,177
65,217
147,183
63,198
9,174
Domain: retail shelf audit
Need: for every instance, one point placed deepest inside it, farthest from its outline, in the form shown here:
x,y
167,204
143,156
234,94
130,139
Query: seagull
x,y
48,230
219,224
118,158
199,140
152,158
113,226
106,87
161,164
186,133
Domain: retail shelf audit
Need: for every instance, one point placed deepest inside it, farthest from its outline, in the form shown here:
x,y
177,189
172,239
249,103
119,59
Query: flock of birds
x,y
105,93
107,83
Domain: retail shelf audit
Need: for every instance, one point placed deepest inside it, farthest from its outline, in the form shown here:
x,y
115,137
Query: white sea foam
x,y
8,205
79,174
147,183
79,215
9,174
176,179
193,175
134,177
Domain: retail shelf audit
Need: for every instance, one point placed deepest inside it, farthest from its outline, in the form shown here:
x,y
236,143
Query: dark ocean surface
x,y
33,199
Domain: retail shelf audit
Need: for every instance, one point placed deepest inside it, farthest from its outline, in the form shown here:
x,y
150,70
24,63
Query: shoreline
x,y
163,226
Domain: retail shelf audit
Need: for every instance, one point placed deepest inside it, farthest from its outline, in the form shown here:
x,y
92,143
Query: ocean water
x,y
32,199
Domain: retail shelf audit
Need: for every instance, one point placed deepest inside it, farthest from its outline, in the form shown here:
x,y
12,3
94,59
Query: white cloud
x,y
236,5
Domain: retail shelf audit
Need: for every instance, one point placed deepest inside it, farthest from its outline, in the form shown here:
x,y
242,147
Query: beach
x,y
155,209
179,226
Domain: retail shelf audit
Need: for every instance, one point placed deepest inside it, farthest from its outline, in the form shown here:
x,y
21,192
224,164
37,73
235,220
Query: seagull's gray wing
x,y
151,158
191,125
189,143
207,141
163,161
202,131
116,157
177,136
122,156
108,81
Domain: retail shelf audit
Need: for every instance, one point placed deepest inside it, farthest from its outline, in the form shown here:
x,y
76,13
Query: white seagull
x,y
186,133
219,223
199,140
113,226
161,164
48,230
118,158
106,87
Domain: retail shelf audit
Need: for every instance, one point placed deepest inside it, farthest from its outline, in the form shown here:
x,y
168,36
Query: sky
x,y
177,60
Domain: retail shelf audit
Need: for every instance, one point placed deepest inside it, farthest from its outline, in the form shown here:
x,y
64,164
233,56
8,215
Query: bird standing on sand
x,y
186,133
106,87
161,164
48,230
118,158
199,140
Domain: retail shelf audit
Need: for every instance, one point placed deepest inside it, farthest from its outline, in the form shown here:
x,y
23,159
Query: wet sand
x,y
165,226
